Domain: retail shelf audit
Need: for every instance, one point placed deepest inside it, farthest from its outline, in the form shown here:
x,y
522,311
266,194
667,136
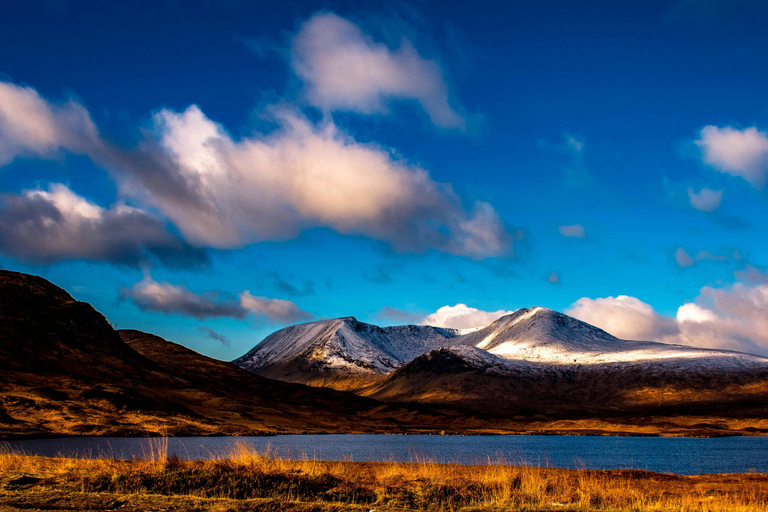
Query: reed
x,y
422,484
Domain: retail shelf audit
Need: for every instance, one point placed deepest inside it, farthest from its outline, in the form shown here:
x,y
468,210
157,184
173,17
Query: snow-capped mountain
x,y
531,361
341,346
546,336
525,338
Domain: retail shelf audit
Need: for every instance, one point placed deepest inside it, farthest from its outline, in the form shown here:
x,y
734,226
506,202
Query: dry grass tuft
x,y
248,474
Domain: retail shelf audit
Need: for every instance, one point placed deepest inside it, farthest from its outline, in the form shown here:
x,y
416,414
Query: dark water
x,y
662,454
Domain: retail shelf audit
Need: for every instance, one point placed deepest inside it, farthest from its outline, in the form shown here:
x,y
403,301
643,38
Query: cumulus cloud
x,y
462,316
731,318
735,317
48,226
224,193
150,295
575,231
345,69
304,175
706,200
741,153
29,125
625,317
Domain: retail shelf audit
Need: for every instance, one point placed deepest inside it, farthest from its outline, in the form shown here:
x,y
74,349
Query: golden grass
x,y
246,474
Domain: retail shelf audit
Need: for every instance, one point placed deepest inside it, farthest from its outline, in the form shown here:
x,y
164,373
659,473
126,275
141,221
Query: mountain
x,y
341,353
544,361
534,361
66,371
543,335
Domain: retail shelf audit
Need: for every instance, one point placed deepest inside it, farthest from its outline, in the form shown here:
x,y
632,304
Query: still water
x,y
663,454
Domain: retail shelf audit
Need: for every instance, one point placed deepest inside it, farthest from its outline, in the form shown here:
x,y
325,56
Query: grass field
x,y
248,480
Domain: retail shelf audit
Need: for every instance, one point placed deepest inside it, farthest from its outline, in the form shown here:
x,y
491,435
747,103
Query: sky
x,y
213,171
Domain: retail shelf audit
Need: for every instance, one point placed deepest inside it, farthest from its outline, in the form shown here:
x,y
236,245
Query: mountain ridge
x,y
346,346
537,359
69,373
66,371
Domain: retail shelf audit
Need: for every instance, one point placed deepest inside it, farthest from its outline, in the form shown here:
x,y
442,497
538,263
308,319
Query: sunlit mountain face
x,y
216,173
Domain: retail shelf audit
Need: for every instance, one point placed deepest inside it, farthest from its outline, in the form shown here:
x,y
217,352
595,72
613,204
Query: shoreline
x,y
566,433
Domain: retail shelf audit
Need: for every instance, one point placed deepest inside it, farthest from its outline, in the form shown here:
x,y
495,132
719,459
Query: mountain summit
x,y
341,349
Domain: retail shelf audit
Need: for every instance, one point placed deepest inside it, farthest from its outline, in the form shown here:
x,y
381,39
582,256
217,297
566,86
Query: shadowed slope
x,y
475,379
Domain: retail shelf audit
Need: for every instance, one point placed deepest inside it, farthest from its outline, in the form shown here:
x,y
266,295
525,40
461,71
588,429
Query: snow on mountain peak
x,y
346,344
546,336
526,337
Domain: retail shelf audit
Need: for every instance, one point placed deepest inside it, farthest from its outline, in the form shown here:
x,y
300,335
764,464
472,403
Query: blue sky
x,y
608,159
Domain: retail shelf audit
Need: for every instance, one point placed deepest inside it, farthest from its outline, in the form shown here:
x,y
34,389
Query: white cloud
x,y
625,317
47,226
280,310
731,318
150,295
304,175
683,259
735,317
344,69
29,125
227,193
575,230
462,316
706,200
741,153
553,278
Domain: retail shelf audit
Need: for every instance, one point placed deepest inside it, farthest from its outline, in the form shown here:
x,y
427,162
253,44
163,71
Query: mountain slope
x,y
67,372
341,353
698,382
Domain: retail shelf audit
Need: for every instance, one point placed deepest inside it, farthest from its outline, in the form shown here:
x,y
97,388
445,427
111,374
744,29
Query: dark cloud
x,y
149,295
382,275
215,336
44,227
289,288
